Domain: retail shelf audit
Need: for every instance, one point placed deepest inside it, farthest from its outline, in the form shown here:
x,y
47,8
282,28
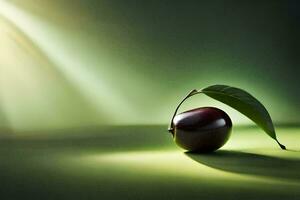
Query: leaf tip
x,y
281,145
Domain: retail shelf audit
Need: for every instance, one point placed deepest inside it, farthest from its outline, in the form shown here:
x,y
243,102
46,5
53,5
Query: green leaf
x,y
245,103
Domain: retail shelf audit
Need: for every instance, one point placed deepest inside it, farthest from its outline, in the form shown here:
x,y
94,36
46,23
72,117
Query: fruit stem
x,y
281,146
171,126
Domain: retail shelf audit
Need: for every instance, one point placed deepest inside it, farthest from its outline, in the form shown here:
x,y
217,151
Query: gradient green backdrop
x,y
69,66
73,63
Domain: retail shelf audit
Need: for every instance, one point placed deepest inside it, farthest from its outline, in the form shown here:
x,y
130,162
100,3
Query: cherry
x,y
202,129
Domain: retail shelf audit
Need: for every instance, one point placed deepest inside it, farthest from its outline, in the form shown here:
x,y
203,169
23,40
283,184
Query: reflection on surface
x,y
142,161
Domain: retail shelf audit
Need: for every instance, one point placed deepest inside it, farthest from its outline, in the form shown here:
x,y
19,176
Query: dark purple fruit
x,y
202,129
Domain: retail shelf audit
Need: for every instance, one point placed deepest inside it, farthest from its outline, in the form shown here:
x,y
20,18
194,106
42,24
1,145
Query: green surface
x,y
142,162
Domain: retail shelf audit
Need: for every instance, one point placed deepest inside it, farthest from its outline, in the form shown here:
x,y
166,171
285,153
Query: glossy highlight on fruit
x,y
202,129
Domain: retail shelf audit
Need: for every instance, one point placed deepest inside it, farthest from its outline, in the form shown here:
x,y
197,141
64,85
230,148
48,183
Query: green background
x,y
87,89
84,63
